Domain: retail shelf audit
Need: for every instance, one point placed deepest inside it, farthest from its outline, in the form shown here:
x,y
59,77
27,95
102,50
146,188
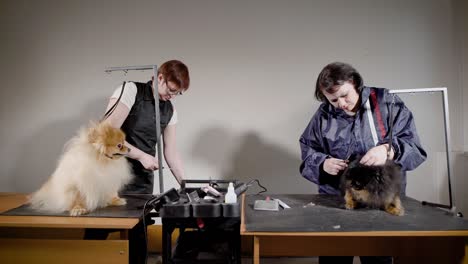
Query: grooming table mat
x,y
133,209
326,213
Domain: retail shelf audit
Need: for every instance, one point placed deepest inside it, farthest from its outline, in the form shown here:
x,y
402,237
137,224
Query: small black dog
x,y
373,186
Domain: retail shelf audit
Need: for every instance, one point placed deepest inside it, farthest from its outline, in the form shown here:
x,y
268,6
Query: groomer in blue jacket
x,y
354,119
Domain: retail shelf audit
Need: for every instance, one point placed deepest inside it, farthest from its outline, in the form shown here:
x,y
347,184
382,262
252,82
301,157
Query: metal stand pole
x,y
448,147
156,105
158,127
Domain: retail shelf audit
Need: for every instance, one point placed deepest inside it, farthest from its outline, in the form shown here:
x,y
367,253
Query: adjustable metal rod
x,y
129,68
419,90
156,106
448,147
158,127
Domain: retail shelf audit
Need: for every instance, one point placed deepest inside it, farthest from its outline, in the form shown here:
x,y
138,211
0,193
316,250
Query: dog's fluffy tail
x,y
46,199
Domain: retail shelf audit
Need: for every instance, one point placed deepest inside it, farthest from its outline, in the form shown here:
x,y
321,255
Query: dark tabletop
x,y
133,209
326,213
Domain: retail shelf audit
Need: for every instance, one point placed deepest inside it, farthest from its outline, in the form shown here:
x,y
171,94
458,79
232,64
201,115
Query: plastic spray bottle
x,y
230,196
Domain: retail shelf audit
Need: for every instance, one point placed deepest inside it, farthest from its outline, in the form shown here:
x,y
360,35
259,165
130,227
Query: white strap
x,y
371,122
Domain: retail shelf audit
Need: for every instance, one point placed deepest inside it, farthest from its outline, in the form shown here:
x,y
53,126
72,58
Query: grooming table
x,y
27,236
319,225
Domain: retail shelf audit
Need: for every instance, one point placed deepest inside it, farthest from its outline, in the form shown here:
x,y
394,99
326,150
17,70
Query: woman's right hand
x,y
149,162
334,166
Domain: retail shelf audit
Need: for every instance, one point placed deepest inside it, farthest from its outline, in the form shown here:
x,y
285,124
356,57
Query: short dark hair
x,y
177,72
334,74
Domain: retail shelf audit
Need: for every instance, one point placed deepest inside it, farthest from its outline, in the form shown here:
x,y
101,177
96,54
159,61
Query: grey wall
x,y
253,66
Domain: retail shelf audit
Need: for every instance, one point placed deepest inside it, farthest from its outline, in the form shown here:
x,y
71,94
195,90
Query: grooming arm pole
x,y
156,105
448,147
129,68
158,127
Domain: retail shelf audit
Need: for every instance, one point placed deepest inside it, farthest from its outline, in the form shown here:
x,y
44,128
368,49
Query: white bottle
x,y
230,196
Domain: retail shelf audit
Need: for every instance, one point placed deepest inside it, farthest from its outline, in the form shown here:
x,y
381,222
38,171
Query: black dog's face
x,y
361,176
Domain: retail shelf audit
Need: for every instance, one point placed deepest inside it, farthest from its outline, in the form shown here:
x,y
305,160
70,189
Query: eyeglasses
x,y
173,92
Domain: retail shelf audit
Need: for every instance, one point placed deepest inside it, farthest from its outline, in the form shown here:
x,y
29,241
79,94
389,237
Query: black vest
x,y
140,131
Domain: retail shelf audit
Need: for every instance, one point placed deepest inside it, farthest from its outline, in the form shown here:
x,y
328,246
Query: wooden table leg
x,y
465,258
166,243
124,234
256,250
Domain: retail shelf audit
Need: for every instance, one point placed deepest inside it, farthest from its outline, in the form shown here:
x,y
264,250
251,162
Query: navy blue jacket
x,y
333,133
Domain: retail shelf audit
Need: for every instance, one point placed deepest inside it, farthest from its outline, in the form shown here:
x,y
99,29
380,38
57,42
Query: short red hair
x,y
176,72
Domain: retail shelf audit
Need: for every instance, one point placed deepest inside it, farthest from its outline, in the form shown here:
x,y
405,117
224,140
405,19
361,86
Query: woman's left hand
x,y
375,156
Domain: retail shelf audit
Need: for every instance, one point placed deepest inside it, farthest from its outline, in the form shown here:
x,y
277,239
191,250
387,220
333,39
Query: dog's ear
x,y
95,136
92,135
96,130
379,175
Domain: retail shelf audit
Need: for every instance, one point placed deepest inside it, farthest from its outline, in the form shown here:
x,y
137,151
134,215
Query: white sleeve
x,y
128,96
174,118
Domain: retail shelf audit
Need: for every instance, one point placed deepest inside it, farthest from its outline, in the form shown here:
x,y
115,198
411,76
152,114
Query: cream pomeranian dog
x,y
89,174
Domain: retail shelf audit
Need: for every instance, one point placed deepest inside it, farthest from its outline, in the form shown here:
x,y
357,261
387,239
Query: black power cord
x,y
145,227
241,188
156,202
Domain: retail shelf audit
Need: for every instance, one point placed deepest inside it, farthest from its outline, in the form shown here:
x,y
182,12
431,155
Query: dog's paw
x,y
350,205
395,207
398,211
117,201
78,210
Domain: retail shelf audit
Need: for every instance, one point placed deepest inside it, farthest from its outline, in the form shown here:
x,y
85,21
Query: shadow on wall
x,y
39,153
249,157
